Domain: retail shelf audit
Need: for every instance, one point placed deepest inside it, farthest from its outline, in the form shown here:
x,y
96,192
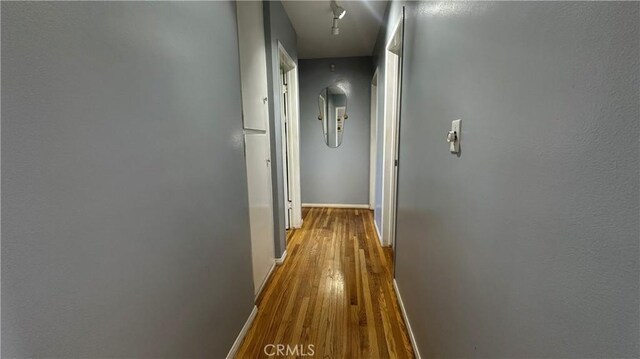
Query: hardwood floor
x,y
333,292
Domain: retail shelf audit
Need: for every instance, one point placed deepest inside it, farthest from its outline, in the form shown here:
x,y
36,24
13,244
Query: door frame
x,y
291,137
392,94
373,140
284,115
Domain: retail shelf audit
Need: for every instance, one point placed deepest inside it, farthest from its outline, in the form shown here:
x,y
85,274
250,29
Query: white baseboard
x,y
243,333
266,279
378,232
280,260
336,205
406,321
297,225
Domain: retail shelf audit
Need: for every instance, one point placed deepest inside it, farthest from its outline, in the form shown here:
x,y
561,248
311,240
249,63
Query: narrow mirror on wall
x,y
332,105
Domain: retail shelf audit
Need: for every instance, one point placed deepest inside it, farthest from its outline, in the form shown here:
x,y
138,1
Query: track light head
x,y
338,11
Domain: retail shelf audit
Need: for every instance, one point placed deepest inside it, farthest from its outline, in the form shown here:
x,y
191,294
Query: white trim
x,y
293,139
373,140
393,63
335,205
243,333
416,352
378,232
288,211
266,279
388,158
280,261
295,149
393,45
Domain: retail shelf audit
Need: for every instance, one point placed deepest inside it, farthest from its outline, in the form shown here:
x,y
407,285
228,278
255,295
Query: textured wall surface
x,y
125,229
527,244
335,175
278,28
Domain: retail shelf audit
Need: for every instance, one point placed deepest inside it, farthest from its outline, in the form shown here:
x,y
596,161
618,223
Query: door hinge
x,y
395,163
289,205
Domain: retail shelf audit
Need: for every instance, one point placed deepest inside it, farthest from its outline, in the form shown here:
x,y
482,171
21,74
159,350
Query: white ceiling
x,y
358,29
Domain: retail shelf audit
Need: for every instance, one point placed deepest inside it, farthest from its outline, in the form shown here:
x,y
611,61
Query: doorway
x,y
392,95
290,139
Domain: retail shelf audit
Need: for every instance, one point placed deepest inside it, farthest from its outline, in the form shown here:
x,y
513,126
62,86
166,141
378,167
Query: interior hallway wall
x,y
278,28
335,175
125,223
527,245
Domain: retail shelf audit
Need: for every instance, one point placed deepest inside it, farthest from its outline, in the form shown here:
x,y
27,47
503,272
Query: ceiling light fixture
x,y
335,30
338,13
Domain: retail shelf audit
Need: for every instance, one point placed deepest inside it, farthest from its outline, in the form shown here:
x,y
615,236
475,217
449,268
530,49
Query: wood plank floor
x,y
334,292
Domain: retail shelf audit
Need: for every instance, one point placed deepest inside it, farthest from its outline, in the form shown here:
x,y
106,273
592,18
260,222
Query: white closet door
x,y
260,210
253,64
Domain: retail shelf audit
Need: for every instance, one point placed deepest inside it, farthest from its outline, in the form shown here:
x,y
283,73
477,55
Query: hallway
x,y
320,179
334,291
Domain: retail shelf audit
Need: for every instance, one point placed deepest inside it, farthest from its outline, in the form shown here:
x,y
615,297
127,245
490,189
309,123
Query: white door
x,y
260,210
253,65
255,114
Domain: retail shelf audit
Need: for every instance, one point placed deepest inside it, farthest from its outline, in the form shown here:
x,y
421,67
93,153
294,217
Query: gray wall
x,y
278,28
527,244
125,229
335,175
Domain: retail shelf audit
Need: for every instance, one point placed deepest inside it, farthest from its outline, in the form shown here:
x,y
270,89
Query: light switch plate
x,y
454,146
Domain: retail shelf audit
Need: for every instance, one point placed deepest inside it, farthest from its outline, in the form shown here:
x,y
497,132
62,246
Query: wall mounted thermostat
x,y
453,137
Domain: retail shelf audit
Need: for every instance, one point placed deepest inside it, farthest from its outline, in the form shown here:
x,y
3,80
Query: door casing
x,y
290,132
392,94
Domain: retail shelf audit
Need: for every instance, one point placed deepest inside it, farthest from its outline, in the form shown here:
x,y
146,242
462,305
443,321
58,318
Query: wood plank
x,y
334,291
